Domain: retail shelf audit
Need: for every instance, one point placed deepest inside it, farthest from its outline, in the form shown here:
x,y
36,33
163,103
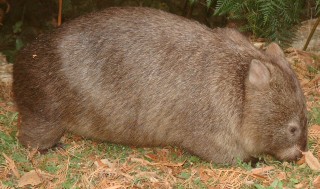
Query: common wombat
x,y
144,77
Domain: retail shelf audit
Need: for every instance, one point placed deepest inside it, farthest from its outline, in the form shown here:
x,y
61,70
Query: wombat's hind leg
x,y
36,132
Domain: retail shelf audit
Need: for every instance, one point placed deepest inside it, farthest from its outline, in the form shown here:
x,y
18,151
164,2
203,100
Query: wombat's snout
x,y
298,137
297,156
293,153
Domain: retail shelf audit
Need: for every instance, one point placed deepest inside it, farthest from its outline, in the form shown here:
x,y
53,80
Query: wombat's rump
x,y
145,77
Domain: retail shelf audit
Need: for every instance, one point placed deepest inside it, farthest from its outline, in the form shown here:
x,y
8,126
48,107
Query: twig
x,y
311,34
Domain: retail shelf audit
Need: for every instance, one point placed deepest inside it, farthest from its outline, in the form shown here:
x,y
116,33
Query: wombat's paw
x,y
253,161
37,133
39,143
58,146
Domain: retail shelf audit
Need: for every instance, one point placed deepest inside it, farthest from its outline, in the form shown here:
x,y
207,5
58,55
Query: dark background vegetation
x,y
273,20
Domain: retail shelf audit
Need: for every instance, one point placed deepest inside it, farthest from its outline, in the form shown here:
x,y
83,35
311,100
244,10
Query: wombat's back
x,y
136,76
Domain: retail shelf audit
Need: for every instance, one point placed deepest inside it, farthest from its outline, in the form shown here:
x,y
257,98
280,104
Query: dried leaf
x,y
316,182
152,176
115,187
169,164
144,162
30,178
315,127
203,175
151,156
103,163
300,185
312,161
12,165
301,161
249,182
33,152
261,170
282,176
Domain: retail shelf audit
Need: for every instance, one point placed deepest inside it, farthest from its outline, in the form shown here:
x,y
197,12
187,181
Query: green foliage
x,y
12,37
184,175
17,27
66,7
274,20
192,2
315,118
317,7
209,3
277,184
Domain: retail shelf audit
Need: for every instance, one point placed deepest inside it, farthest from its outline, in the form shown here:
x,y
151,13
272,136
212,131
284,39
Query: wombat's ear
x,y
277,56
274,51
259,74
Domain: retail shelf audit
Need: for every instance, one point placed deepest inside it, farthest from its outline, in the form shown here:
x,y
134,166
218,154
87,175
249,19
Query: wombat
x,y
144,77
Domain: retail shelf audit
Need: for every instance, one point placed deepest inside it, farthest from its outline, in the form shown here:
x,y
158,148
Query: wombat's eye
x,y
293,130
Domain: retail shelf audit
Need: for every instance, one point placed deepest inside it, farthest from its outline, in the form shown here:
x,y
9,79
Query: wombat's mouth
x,y
289,154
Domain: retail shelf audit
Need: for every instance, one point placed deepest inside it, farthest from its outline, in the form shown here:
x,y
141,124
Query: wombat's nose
x,y
298,156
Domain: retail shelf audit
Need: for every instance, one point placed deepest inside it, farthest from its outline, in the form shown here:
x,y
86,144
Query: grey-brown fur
x,y
144,77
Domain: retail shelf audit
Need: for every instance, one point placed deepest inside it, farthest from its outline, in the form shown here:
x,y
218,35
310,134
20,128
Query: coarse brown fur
x,y
143,77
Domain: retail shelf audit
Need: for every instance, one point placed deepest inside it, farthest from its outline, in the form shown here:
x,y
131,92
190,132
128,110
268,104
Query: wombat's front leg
x,y
36,132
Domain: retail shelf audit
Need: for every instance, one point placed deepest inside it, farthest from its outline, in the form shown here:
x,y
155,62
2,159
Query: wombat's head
x,y
274,120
